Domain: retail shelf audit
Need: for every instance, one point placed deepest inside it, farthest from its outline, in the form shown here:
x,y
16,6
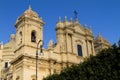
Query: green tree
x,y
103,66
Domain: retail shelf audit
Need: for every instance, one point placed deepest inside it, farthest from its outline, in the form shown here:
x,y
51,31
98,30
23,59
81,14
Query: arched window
x,y
33,36
79,48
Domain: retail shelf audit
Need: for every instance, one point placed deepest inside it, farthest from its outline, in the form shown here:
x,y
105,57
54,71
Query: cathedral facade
x,y
18,56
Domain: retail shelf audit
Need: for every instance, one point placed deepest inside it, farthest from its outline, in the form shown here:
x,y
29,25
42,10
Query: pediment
x,y
79,29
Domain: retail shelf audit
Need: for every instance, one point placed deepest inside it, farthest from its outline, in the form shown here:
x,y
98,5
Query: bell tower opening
x,y
33,36
6,64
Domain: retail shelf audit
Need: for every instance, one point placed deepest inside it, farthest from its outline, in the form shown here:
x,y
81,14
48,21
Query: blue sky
x,y
102,15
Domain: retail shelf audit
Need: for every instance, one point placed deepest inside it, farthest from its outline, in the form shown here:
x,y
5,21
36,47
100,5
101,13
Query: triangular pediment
x,y
79,29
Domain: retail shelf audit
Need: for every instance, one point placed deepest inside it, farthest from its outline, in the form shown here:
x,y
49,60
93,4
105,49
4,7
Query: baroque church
x,y
18,57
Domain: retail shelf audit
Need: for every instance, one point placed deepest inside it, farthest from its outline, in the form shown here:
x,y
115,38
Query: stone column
x,y
92,45
66,36
51,67
87,47
72,43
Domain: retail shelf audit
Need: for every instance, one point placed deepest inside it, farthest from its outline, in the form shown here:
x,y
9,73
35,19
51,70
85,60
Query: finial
x,y
1,42
65,18
70,19
85,25
98,33
12,37
59,19
77,22
90,27
1,45
40,17
76,19
50,44
29,5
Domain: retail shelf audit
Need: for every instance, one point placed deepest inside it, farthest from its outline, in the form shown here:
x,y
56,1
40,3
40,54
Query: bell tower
x,y
29,30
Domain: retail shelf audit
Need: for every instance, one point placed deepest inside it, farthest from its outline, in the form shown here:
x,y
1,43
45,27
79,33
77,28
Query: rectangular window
x,y
6,64
79,47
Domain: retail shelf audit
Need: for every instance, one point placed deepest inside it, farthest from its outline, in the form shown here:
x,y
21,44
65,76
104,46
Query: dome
x,y
11,43
30,12
101,40
31,15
